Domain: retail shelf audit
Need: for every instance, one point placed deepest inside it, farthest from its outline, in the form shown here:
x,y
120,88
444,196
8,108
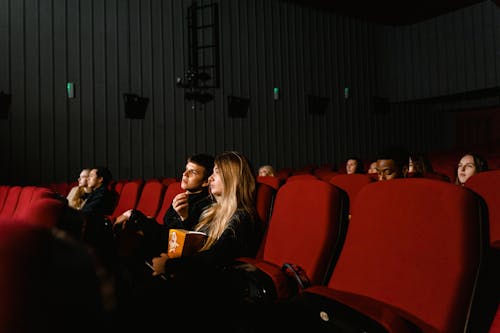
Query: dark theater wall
x,y
111,47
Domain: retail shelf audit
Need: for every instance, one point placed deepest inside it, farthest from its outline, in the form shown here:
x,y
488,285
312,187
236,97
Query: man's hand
x,y
181,205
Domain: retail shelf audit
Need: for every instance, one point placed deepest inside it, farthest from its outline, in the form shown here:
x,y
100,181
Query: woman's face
x,y
82,180
216,184
466,168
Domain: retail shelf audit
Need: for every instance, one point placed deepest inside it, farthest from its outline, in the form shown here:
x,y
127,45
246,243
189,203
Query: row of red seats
x,y
414,256
37,205
419,239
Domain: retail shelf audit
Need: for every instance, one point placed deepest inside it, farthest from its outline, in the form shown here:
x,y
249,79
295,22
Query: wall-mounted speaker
x,y
238,106
4,105
135,106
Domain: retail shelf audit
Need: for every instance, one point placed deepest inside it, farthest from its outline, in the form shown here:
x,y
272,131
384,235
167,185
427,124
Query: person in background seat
x,y
392,163
266,170
470,164
354,165
77,196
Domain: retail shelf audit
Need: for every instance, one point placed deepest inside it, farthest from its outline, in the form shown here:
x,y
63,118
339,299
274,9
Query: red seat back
x,y
351,184
264,202
10,203
307,218
172,190
151,198
412,250
487,185
272,181
127,198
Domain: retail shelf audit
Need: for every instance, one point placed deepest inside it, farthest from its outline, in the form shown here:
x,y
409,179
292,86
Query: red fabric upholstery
x,y
487,185
172,190
305,176
127,199
303,230
10,203
42,212
351,184
4,191
264,201
274,182
118,186
151,198
495,325
412,252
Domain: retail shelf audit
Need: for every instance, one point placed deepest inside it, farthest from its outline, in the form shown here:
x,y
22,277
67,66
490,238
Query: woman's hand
x,y
159,264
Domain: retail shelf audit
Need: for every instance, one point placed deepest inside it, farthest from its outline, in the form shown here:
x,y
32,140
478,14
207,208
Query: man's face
x,y
351,166
387,169
193,177
94,181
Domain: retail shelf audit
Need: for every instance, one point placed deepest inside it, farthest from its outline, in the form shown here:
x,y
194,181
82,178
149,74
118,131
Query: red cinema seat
x,y
351,184
151,198
487,185
306,229
127,198
10,202
264,202
272,181
410,263
42,212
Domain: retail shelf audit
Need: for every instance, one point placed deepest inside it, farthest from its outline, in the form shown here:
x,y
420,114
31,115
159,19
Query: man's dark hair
x,y
398,154
204,160
105,174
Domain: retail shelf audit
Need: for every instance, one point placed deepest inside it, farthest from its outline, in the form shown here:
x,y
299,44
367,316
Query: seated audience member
x,y
419,165
233,230
372,168
469,165
266,170
183,213
100,203
78,194
392,163
354,165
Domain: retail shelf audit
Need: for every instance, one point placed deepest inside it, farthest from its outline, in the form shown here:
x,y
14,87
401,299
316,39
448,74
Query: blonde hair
x,y
239,194
75,197
268,168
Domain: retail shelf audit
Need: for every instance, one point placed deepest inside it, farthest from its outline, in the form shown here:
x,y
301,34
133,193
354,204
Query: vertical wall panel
x,y
5,85
32,86
47,96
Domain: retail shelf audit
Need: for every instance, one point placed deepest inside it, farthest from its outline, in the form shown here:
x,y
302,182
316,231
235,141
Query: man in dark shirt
x,y
100,203
183,213
187,207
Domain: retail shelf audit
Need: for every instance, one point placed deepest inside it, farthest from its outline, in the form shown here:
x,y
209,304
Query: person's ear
x,y
205,183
